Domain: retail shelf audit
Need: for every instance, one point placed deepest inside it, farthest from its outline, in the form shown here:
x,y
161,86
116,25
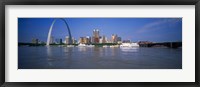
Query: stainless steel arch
x,y
51,27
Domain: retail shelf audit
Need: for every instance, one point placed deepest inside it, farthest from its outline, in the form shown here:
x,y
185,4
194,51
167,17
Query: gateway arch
x,y
51,27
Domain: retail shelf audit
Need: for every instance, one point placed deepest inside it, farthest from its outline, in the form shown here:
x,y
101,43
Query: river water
x,y
57,57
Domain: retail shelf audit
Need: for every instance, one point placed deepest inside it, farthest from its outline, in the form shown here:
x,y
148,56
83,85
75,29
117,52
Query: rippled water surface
x,y
55,57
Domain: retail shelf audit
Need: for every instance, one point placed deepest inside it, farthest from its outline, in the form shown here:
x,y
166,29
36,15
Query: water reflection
x,y
132,49
53,57
82,49
114,51
97,52
49,55
49,52
59,55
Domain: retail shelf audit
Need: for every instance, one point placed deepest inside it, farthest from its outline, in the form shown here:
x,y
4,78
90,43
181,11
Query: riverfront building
x,y
81,40
95,37
60,41
73,40
67,40
51,40
119,40
88,38
104,39
84,40
114,38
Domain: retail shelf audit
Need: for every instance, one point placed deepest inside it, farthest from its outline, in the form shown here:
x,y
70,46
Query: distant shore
x,y
163,44
44,44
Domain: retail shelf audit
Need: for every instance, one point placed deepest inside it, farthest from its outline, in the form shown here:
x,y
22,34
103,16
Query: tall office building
x,y
114,38
95,37
73,40
85,40
88,39
60,41
81,40
51,40
119,40
67,39
104,39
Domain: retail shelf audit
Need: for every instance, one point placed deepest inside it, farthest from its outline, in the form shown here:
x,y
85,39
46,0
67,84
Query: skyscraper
x,y
73,40
114,38
51,40
67,40
81,40
88,39
119,40
95,36
60,41
104,39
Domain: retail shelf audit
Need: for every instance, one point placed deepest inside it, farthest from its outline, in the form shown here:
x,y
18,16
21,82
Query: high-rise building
x,y
104,39
114,38
81,40
73,40
84,40
67,40
51,40
119,40
88,39
95,37
100,39
60,41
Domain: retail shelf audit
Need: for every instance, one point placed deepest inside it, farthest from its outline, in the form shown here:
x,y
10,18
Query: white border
x,y
187,74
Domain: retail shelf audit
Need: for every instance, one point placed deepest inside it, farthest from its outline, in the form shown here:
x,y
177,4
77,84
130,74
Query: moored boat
x,y
105,46
81,45
70,45
89,45
129,45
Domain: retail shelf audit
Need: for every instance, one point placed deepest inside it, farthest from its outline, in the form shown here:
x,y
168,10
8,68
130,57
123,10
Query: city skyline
x,y
134,29
95,38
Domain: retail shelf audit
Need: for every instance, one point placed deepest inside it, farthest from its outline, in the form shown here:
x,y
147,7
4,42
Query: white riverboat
x,y
70,45
82,45
129,45
89,45
105,46
112,46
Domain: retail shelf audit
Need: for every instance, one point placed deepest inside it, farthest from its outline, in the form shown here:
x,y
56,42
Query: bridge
x,y
51,27
166,44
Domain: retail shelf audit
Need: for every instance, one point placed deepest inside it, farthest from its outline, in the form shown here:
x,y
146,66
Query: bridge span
x,y
165,44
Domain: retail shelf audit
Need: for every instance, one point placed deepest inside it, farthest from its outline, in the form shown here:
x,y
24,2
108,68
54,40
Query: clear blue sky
x,y
135,29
